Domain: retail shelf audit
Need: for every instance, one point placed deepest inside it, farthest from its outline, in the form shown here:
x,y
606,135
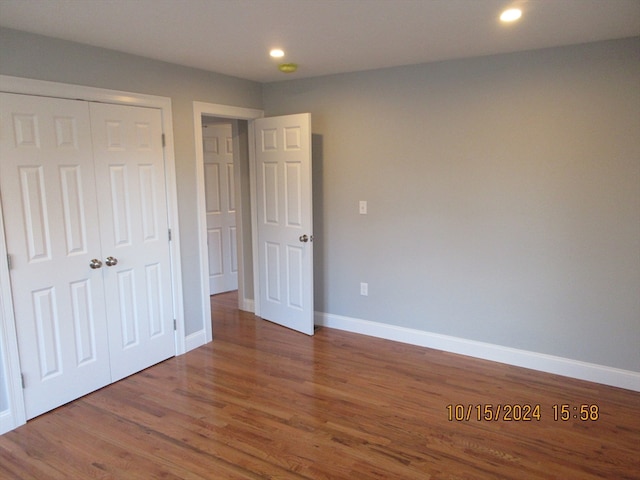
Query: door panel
x,y
34,199
130,182
285,224
295,268
293,200
270,192
51,214
73,210
220,203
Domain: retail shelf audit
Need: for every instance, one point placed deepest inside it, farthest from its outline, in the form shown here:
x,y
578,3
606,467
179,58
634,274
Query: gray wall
x,y
504,192
42,58
504,197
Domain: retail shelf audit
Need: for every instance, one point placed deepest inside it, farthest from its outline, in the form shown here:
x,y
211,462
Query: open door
x,y
220,196
284,220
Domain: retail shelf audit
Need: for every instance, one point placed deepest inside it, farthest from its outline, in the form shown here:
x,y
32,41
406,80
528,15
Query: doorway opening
x,y
228,223
274,177
240,184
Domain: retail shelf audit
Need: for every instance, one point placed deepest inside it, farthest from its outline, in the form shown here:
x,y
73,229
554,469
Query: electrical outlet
x,y
364,289
363,207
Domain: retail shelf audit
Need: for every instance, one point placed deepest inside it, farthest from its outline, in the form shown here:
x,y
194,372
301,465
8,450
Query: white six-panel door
x,y
130,179
221,211
52,230
70,198
284,217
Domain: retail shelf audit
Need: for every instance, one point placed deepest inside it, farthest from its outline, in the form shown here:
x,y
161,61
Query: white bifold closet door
x,y
83,198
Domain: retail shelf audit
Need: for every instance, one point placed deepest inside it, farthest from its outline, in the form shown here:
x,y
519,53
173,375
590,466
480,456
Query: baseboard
x,y
195,340
248,305
8,421
521,358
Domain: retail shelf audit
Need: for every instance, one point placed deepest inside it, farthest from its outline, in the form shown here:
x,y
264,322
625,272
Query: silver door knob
x,y
111,261
95,263
304,238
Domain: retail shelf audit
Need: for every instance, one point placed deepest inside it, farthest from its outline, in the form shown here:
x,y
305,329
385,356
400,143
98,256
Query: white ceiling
x,y
323,36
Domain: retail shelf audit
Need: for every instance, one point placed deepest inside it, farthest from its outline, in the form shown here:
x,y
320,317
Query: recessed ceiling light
x,y
511,15
276,53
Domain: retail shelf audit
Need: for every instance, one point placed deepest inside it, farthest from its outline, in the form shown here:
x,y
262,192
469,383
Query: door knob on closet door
x,y
95,263
304,238
111,261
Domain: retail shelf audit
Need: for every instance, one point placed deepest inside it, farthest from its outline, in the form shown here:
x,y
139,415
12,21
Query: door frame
x,y
12,412
232,113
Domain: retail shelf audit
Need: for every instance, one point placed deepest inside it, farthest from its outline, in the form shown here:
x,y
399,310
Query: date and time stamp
x,y
522,412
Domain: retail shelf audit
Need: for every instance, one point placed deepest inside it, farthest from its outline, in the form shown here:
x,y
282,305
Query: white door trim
x,y
12,409
236,113
13,415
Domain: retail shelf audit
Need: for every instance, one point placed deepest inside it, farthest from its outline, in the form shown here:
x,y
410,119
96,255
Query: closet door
x,y
52,231
130,182
83,198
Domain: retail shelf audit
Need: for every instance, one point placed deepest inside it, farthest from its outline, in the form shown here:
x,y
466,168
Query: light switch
x,y
363,207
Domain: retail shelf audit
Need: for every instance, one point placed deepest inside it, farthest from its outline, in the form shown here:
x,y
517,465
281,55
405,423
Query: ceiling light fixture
x,y
511,15
276,53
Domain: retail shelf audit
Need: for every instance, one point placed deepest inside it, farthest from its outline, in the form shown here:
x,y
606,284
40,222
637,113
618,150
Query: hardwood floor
x,y
263,402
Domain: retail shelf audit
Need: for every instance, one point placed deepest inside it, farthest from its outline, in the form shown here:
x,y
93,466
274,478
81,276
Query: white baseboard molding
x,y
521,358
195,340
248,305
8,421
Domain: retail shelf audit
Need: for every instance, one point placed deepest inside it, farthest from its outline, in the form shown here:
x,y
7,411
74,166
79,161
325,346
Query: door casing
x,y
12,412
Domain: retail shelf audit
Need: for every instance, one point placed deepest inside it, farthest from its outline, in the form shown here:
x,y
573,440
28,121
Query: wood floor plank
x,y
263,402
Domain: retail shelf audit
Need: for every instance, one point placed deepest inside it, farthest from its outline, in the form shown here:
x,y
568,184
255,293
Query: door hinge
x,y
22,380
175,325
9,261
169,234
164,142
